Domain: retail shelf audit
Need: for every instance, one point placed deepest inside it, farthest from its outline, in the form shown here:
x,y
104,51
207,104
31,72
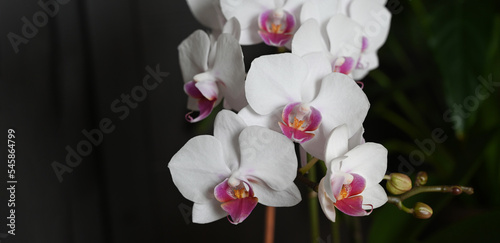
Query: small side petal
x,y
337,144
325,202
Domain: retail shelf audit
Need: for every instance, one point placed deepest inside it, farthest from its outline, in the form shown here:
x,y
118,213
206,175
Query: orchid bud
x,y
422,211
421,178
398,184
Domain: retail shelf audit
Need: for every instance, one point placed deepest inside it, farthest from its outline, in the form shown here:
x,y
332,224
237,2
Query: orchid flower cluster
x,y
309,95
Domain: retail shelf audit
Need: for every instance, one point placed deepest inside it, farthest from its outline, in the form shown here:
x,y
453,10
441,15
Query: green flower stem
x,y
445,189
455,190
308,166
313,207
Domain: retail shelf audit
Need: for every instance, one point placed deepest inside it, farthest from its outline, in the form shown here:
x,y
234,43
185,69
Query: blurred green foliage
x,y
438,54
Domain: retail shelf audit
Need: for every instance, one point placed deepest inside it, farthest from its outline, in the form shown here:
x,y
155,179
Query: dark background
x,y
65,78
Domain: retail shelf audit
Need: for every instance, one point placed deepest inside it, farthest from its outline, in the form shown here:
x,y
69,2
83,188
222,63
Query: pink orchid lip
x,y
348,199
343,65
238,201
205,104
276,27
299,122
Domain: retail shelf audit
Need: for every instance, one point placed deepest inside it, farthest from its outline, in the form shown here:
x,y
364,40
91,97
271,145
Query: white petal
x,y
345,36
316,146
308,39
274,81
250,36
368,160
267,156
246,12
230,69
227,128
357,138
325,202
207,12
341,101
207,212
319,67
337,144
321,10
198,167
370,61
193,54
270,121
233,27
374,195
269,197
374,18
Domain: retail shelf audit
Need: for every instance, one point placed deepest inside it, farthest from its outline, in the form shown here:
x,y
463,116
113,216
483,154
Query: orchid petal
x,y
368,61
345,36
374,18
267,156
227,128
357,185
193,54
233,27
308,39
337,144
327,205
205,107
269,197
333,171
223,192
356,139
319,67
274,81
369,160
341,101
270,121
352,206
239,209
198,167
207,12
230,69
375,196
246,12
209,89
207,212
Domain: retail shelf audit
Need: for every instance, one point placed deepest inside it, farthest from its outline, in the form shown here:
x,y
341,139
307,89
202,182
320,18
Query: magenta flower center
x,y
299,122
276,27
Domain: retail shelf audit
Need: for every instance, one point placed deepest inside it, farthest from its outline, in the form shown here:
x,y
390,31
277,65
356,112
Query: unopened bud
x,y
421,178
398,184
422,211
456,190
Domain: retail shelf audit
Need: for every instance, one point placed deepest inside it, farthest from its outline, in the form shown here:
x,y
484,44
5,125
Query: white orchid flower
x,y
273,22
212,71
303,99
376,20
351,183
342,45
228,173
